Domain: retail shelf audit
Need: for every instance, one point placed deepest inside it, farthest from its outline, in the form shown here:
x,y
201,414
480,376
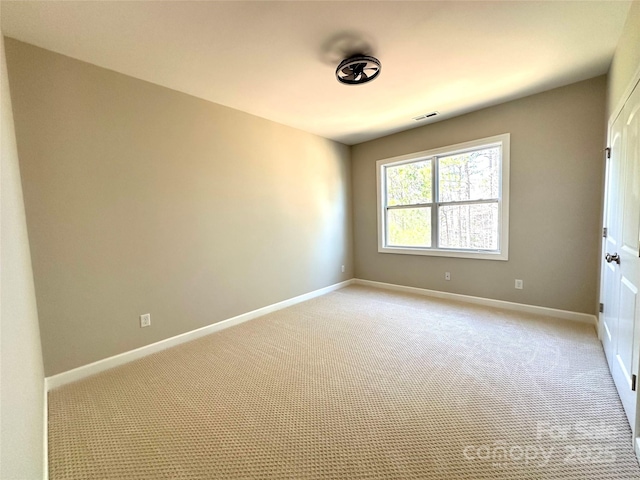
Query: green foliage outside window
x,y
467,177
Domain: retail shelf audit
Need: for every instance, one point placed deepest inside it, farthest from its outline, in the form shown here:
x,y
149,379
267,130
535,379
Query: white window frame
x,y
502,253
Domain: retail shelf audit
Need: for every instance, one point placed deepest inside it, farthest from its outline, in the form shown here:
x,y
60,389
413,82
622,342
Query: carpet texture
x,y
357,384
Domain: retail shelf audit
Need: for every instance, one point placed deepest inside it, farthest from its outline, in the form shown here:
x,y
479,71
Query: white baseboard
x,y
84,371
79,373
520,307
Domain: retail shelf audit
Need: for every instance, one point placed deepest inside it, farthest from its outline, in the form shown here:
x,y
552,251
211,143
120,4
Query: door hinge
x,y
634,381
604,232
608,152
601,309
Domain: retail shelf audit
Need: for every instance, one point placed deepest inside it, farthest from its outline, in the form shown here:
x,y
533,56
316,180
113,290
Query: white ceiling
x,y
271,59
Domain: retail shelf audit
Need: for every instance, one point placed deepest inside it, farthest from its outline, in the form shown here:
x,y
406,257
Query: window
x,y
450,202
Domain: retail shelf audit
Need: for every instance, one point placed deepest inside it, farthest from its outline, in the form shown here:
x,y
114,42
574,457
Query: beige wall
x,y
21,372
143,199
557,139
626,61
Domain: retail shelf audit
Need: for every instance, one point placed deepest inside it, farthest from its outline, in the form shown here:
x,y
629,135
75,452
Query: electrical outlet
x,y
145,320
519,284
342,268
447,275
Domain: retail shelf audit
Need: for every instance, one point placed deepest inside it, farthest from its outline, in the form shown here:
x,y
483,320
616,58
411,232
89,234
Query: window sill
x,y
503,256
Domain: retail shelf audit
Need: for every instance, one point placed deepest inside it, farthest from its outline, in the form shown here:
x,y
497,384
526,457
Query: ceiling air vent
x,y
425,115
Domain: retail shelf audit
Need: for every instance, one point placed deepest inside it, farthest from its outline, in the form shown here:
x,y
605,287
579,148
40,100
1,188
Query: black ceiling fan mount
x,y
358,69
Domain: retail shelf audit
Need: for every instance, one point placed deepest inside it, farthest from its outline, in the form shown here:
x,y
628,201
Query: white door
x,y
610,271
621,267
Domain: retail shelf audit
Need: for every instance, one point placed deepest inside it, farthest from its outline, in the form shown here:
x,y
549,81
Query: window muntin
x,y
451,201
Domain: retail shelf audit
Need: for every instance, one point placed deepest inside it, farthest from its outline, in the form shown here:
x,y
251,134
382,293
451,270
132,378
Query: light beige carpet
x,y
358,384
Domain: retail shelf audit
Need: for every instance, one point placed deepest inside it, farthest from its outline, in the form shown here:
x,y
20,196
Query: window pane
x,y
409,184
469,226
409,227
469,176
